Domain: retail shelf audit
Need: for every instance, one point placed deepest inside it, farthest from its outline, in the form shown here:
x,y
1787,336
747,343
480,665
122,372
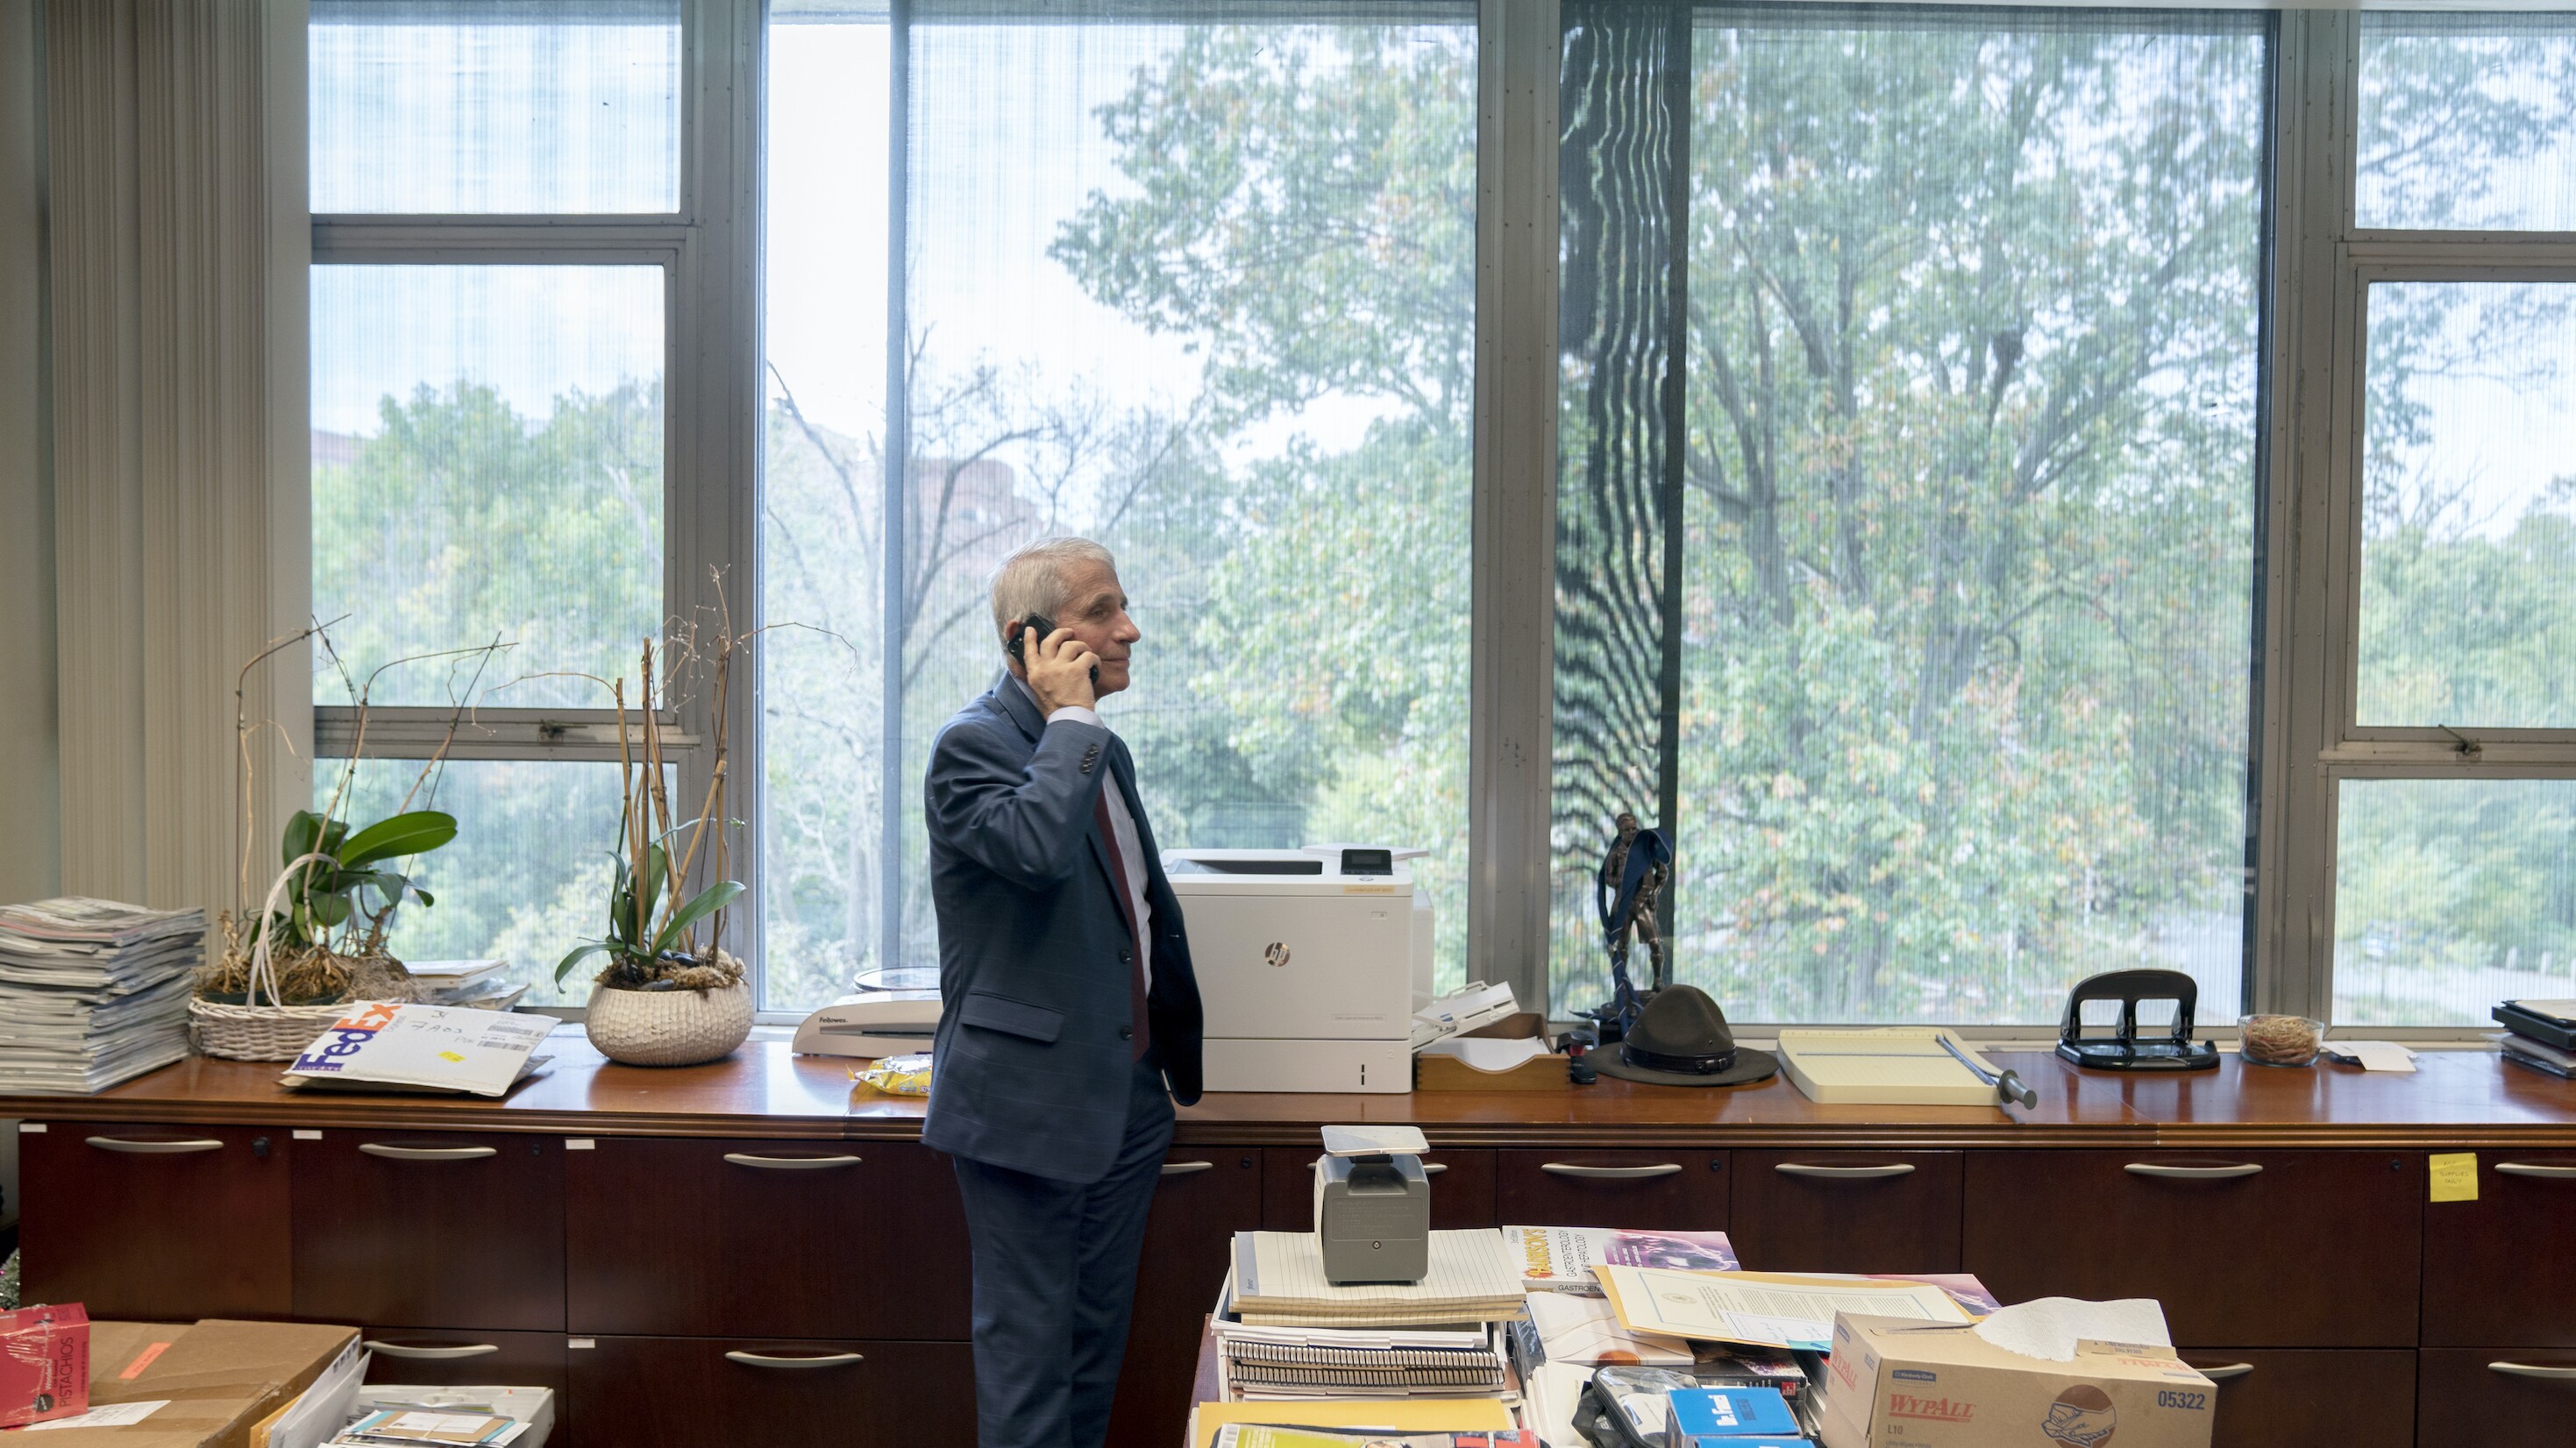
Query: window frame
x,y
2304,738
707,253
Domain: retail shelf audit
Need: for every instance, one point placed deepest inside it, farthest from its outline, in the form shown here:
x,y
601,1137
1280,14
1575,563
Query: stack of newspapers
x,y
1284,1332
93,992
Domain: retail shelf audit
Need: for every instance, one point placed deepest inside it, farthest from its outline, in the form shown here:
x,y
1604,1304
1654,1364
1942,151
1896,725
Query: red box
x,y
44,1364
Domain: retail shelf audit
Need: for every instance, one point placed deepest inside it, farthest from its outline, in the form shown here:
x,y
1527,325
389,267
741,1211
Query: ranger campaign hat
x,y
1681,1039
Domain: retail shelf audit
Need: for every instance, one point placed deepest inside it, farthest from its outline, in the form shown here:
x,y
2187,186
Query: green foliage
x,y
327,894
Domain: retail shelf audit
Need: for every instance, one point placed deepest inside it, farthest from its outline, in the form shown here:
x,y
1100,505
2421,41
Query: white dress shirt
x,y
1122,829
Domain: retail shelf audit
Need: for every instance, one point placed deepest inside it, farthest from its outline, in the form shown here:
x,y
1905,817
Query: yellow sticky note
x,y
460,1060
2454,1176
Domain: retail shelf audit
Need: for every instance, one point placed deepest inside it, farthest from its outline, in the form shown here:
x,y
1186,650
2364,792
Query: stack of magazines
x,y
2539,1034
93,992
1283,1332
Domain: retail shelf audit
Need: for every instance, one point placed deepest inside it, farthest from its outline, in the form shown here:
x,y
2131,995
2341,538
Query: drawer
x,y
439,1358
742,1238
769,1393
1462,1188
2494,1397
2269,1398
2499,1269
2230,1242
1682,1191
1206,1195
417,1229
1846,1211
161,1223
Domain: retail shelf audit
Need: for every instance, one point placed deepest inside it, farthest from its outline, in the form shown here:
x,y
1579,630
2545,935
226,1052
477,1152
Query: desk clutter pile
x,y
93,993
2538,1034
1569,1337
224,1384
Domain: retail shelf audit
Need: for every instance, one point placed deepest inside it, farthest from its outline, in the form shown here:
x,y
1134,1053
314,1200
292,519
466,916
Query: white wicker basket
x,y
262,1032
258,1033
668,1027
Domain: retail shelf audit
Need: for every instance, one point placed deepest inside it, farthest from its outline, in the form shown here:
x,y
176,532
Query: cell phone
x,y
1017,644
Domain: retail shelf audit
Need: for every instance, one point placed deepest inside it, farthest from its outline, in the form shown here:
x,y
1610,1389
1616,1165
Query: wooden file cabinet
x,y
2255,1248
430,1229
752,1238
2364,1315
2495,1398
684,1392
1205,1196
155,1221
1847,1211
1679,1191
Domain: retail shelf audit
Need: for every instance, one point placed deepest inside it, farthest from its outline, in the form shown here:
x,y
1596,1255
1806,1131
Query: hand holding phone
x,y
1051,693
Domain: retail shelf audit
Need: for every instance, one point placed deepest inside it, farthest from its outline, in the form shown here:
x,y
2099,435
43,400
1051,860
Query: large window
x,y
2454,837
2028,492
490,429
1202,292
1925,623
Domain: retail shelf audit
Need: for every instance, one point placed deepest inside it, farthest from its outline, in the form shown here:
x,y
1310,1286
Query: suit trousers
x,y
1055,1277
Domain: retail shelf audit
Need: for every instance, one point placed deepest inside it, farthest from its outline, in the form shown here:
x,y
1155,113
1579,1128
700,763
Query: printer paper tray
x,y
1268,1065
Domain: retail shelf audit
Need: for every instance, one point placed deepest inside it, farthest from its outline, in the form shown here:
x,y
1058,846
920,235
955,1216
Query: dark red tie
x,y
1126,911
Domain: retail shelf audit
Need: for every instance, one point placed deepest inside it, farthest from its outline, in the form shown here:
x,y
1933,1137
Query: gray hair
x,y
1032,580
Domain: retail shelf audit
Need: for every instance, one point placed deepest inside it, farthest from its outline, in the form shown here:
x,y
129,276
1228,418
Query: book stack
x,y
1283,1331
93,992
2538,1034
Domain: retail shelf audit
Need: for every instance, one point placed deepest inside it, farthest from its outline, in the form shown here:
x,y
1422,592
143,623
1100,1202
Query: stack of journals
x,y
2539,1034
1561,1259
1283,1332
93,992
1279,1281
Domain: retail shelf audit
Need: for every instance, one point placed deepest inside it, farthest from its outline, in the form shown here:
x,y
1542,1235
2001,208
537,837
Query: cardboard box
x,y
212,1381
1898,1383
44,1363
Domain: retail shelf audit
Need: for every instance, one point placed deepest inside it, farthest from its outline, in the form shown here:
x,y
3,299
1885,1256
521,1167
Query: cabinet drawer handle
x,y
2530,1169
152,1148
789,1163
2534,1370
1187,1168
1610,1173
427,1153
774,1360
2221,1372
2193,1173
1845,1173
431,1354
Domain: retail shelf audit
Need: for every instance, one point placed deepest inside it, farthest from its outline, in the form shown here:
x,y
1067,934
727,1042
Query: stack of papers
x,y
1561,1259
411,1427
93,992
1269,1363
1279,1280
1779,1311
386,1047
477,984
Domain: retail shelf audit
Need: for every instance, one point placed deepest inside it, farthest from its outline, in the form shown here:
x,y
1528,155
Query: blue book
x,y
1729,1418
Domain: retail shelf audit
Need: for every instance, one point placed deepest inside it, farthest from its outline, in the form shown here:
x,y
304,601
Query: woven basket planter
x,y
669,1027
258,1033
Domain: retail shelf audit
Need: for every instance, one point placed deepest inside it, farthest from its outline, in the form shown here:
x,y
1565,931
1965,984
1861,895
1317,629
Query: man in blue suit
x,y
1067,1002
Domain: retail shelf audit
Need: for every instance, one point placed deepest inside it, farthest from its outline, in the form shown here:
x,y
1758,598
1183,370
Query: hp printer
x,y
1307,963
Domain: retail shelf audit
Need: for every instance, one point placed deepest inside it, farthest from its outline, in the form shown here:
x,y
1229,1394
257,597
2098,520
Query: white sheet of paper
x,y
114,1415
2049,1327
2377,1055
1763,1309
1488,1053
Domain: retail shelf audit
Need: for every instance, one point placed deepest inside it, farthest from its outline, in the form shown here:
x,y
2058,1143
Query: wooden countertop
x,y
2454,1098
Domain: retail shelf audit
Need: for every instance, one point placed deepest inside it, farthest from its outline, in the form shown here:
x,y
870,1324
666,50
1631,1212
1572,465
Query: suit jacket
x,y
1035,962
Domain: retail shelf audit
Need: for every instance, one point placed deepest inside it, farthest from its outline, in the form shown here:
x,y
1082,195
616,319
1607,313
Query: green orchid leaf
x,y
415,832
579,953
710,900
302,828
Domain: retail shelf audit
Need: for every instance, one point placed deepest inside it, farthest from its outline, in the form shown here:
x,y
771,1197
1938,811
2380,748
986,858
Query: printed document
x,y
1761,1309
